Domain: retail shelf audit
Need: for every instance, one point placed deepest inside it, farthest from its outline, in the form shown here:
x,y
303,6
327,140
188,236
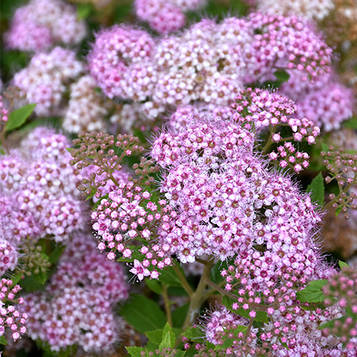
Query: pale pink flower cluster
x,y
225,199
87,108
46,79
309,9
12,320
38,187
326,101
207,63
42,24
76,308
166,16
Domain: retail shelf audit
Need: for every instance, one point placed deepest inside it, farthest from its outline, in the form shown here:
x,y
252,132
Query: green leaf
x,y
281,75
83,11
155,336
143,314
338,210
168,338
194,333
342,264
55,255
179,315
3,340
169,277
19,116
34,282
350,123
136,351
317,189
313,292
154,285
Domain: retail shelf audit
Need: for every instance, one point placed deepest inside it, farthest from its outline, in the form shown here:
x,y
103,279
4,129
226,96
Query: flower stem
x,y
167,304
183,280
199,296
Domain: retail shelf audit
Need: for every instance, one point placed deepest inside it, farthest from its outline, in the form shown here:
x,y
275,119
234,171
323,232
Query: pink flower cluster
x,y
3,112
42,24
76,308
129,213
46,79
309,9
207,63
341,289
166,16
38,187
326,102
259,109
87,109
11,318
226,201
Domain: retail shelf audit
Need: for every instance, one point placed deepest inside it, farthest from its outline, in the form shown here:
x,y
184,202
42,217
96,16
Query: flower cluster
x,y
326,102
38,187
3,113
166,16
207,63
259,109
46,79
11,318
310,9
42,24
76,306
87,108
341,289
226,201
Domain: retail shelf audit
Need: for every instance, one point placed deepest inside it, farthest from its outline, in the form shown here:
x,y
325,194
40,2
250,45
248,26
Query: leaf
x,y
317,189
155,336
34,282
19,116
3,340
169,277
350,123
55,255
143,314
281,75
168,338
83,11
154,285
179,315
313,292
342,264
193,333
136,351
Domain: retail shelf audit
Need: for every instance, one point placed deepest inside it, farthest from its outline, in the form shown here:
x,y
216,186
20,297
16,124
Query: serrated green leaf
x,y
342,264
313,292
18,117
154,285
143,314
168,338
317,189
155,336
193,333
